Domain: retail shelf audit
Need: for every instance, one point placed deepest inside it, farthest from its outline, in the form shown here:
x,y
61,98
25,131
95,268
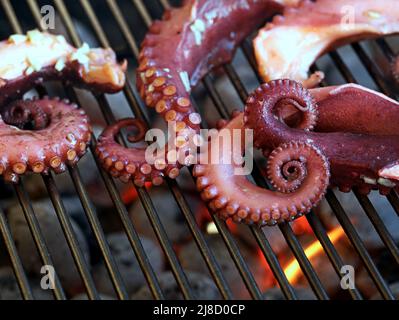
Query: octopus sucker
x,y
355,129
234,197
287,47
48,134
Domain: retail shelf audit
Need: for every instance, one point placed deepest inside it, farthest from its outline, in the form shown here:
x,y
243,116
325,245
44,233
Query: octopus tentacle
x,y
232,196
288,46
120,163
356,109
281,96
363,149
25,115
179,50
47,134
61,142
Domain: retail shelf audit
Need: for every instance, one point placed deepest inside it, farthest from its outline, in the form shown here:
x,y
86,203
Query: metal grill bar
x,y
340,213
132,234
364,201
99,234
359,246
214,268
71,237
38,237
138,108
65,223
329,248
15,260
144,197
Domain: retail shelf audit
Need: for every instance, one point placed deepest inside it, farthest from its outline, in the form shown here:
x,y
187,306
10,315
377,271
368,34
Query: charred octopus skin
x,y
39,135
287,47
356,129
176,53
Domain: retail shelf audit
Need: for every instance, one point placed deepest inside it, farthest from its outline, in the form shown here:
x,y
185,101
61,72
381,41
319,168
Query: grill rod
x,y
66,226
340,213
317,226
214,268
131,233
18,269
23,198
142,192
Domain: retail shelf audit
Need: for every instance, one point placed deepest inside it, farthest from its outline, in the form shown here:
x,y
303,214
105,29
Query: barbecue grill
x,y
122,25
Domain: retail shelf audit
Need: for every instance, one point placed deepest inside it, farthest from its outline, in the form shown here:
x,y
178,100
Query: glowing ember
x,y
301,226
130,194
293,270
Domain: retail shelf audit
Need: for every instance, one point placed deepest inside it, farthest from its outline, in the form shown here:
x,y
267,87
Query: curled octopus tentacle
x,y
356,130
60,142
127,165
46,134
179,50
233,196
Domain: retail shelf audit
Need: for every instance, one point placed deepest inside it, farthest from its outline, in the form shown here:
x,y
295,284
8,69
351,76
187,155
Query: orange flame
x,y
293,270
130,194
301,226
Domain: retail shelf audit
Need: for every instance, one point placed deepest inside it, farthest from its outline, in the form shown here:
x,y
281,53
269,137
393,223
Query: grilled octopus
x,y
344,136
288,46
201,35
175,54
39,135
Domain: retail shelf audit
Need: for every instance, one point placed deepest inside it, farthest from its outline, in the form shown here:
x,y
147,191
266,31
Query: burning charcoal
x,y
395,290
9,289
321,263
203,288
302,293
83,296
172,219
360,220
60,253
192,260
127,263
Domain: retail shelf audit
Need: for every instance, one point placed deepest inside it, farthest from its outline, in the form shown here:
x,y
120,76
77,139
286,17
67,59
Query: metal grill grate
x,y
15,17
